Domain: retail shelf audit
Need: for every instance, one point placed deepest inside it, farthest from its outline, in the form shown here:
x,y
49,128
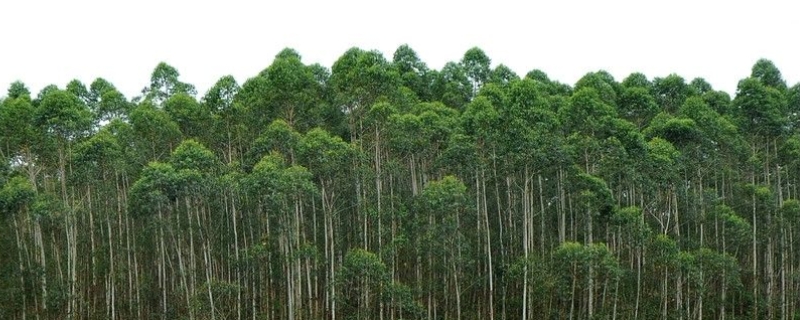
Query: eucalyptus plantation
x,y
384,189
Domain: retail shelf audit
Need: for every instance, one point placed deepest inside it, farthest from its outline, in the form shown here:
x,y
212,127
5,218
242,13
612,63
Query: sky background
x,y
52,42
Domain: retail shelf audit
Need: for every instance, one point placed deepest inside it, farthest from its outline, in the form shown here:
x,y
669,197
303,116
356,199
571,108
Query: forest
x,y
383,189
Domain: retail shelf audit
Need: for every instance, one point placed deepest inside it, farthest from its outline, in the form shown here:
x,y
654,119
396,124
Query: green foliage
x,y
445,196
326,154
366,283
765,71
61,113
188,114
637,105
221,96
594,193
15,195
155,132
17,89
631,220
17,127
758,107
164,84
388,190
476,66
191,155
158,184
602,84
670,92
98,156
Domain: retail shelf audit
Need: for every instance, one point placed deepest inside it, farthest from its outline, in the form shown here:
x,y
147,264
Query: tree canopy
x,y
382,188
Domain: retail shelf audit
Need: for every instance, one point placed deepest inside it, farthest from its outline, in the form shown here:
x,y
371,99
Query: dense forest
x,y
383,189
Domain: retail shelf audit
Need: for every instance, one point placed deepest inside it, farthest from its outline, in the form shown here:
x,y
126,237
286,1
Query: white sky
x,y
53,41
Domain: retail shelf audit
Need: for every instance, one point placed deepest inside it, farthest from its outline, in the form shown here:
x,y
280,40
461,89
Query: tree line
x,y
384,189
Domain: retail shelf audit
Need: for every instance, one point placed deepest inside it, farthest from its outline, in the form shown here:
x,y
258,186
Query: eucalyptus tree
x,y
720,101
77,88
607,88
358,79
164,83
670,92
17,196
17,89
700,86
191,117
637,80
377,120
112,105
106,102
100,86
443,218
633,232
480,121
502,75
477,67
369,292
662,167
527,148
766,71
553,88
414,73
327,157
452,86
21,139
583,119
310,192
175,193
293,93
151,198
595,197
98,165
279,190
228,117
706,272
571,261
155,132
364,280
279,137
759,109
198,169
64,119
637,105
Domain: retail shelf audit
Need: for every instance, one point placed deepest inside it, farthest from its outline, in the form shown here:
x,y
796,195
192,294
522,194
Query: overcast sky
x,y
53,41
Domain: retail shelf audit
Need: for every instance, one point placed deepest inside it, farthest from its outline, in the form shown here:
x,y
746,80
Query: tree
x,y
20,135
17,89
154,131
359,79
390,190
292,91
765,71
112,105
164,83
452,86
220,97
444,207
670,92
476,65
414,74
191,116
603,83
637,105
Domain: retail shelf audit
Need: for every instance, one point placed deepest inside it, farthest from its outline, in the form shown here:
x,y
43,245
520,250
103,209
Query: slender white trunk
x,y
21,268
234,216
